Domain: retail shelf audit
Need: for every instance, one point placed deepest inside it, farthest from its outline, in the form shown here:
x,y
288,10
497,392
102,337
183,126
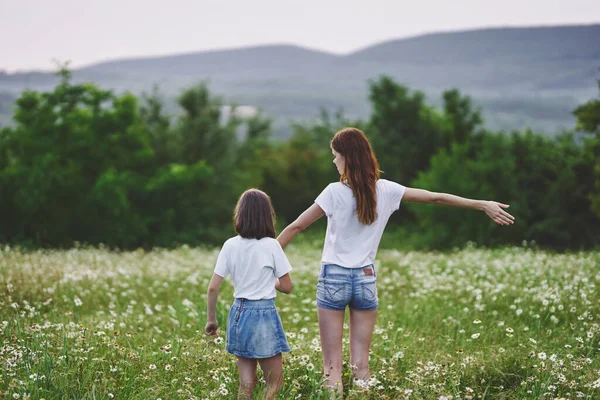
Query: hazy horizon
x,y
34,34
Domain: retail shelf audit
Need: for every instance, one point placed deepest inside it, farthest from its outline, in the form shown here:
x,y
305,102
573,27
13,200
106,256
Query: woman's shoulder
x,y
337,186
387,183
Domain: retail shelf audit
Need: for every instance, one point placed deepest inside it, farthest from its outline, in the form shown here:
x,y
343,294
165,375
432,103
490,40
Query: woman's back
x,y
349,243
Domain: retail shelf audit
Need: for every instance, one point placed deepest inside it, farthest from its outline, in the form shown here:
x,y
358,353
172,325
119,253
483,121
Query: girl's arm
x,y
213,292
284,284
309,216
493,209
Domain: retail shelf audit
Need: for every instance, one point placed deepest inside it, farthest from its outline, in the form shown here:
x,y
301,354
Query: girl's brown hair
x,y
254,216
361,171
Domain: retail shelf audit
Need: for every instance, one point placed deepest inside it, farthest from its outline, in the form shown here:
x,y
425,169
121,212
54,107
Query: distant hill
x,y
498,44
520,76
490,59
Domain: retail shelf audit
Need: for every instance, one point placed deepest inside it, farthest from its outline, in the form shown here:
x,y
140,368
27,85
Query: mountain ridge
x,y
548,67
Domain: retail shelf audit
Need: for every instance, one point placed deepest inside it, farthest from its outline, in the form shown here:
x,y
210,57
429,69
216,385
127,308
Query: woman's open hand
x,y
495,211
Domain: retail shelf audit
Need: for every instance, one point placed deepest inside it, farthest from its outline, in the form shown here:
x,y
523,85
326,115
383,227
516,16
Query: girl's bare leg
x,y
273,371
247,370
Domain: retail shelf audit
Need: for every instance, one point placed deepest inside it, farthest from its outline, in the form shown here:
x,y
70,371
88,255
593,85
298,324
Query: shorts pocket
x,y
369,291
332,290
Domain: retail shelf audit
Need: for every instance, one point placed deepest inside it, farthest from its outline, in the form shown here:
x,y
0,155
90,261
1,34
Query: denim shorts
x,y
339,287
254,329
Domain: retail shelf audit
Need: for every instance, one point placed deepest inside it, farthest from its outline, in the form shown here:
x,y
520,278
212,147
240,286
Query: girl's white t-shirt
x,y
348,243
254,265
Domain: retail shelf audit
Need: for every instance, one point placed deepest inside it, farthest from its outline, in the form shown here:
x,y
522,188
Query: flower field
x,y
88,323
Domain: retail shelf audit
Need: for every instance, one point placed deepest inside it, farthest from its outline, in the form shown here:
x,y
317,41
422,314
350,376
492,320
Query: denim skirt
x,y
254,329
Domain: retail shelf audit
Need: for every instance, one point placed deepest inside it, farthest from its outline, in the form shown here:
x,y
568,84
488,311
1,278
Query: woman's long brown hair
x,y
361,171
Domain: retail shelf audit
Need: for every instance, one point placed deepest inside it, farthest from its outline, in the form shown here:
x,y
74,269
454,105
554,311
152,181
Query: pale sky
x,y
33,33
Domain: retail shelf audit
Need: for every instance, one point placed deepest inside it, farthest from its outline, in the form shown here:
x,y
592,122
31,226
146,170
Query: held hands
x,y
211,328
495,211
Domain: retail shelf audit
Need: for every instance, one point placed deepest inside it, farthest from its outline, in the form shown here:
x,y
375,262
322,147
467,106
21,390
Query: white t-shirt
x,y
349,243
254,265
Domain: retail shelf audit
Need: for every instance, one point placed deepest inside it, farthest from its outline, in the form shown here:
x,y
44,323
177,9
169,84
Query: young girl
x,y
258,266
357,209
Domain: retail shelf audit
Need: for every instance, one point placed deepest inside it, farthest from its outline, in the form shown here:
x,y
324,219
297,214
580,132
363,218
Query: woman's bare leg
x,y
362,324
331,328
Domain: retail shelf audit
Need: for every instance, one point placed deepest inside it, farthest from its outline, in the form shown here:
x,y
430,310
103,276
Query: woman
x,y
358,208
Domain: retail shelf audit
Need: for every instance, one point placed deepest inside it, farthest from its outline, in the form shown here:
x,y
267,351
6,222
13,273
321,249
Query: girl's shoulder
x,y
265,242
269,242
265,246
231,242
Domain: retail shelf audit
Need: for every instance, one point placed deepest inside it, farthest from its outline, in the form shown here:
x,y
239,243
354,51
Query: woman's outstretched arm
x,y
309,216
493,209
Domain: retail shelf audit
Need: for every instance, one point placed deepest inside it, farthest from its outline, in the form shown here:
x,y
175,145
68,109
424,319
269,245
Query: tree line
x,y
84,164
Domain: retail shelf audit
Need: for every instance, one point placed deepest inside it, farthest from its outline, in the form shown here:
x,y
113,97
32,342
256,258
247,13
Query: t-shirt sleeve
x,y
222,266
281,264
325,200
395,193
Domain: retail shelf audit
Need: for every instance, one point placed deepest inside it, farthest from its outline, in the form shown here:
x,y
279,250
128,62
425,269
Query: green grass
x,y
87,323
